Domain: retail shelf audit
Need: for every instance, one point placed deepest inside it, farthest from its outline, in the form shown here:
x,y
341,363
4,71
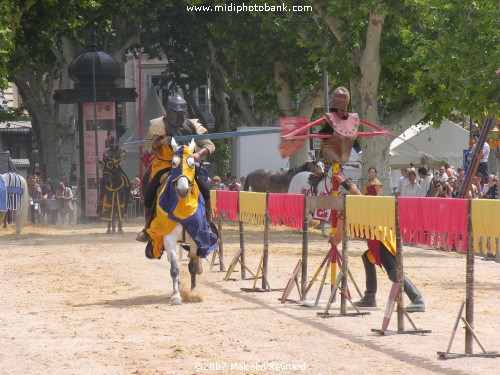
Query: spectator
x,y
217,183
412,189
35,193
135,187
242,182
461,173
64,195
373,186
425,182
490,190
483,155
455,184
440,190
450,172
233,185
51,206
442,176
403,180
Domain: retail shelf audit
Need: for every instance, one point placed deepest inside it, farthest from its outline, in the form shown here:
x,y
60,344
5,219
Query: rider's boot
x,y
143,236
417,301
369,299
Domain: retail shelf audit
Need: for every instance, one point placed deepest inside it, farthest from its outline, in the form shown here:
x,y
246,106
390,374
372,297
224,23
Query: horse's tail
x,y
22,214
246,187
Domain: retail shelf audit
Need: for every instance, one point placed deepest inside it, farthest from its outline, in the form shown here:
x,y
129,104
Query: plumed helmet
x,y
176,103
113,144
339,99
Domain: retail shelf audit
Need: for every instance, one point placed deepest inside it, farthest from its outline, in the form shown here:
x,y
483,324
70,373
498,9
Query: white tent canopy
x,y
444,144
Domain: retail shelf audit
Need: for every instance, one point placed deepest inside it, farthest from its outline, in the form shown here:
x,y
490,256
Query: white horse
x,y
17,198
181,205
305,183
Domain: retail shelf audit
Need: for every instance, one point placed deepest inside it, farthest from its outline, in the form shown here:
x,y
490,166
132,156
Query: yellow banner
x,y
371,217
252,207
485,214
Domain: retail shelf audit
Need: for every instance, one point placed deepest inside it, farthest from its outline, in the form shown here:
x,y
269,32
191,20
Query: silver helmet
x,y
176,110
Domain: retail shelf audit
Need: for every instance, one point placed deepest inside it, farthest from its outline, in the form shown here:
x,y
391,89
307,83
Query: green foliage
x,y
457,51
13,114
221,158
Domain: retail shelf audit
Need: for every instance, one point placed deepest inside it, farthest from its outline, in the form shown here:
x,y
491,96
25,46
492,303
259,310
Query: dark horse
x,y
113,194
263,180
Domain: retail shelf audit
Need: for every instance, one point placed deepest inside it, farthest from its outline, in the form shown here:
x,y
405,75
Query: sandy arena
x,y
78,301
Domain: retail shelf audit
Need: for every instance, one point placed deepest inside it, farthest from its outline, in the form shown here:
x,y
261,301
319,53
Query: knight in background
x,y
173,124
113,154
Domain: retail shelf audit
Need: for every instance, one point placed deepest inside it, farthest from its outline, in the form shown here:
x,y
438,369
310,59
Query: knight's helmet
x,y
339,99
113,144
176,110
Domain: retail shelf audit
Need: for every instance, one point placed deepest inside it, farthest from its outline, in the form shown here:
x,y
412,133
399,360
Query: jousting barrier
x,y
459,224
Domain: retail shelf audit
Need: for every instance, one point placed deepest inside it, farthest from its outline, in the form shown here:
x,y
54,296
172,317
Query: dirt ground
x,y
78,301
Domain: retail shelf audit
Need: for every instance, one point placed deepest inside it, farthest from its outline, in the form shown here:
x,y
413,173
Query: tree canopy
x,y
404,61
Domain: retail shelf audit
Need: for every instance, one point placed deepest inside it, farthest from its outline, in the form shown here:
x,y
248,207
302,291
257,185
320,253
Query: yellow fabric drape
x,y
252,207
163,225
485,217
371,217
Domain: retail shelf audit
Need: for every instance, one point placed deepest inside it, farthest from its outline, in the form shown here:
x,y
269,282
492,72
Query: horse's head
x,y
183,168
317,166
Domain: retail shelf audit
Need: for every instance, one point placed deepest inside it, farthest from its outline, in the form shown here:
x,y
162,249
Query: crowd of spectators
x,y
50,203
229,183
446,183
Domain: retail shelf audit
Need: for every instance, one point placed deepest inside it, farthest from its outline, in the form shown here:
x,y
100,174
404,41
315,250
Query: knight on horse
x,y
114,190
174,123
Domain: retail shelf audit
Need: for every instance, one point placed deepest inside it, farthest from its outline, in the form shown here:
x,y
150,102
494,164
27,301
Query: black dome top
x,y
107,68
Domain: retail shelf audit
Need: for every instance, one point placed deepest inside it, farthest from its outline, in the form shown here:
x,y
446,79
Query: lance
x,y
211,136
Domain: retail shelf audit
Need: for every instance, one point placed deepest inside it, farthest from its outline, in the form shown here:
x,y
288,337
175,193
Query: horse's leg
x,y
113,224
195,263
120,228
109,228
170,244
193,270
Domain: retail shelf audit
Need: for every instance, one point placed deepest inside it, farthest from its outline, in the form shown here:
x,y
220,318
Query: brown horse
x,y
263,180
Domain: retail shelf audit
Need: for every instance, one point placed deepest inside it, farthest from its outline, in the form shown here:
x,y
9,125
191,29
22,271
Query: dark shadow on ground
x,y
413,360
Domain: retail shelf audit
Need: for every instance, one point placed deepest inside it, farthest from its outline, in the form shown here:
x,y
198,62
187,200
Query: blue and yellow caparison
x,y
172,210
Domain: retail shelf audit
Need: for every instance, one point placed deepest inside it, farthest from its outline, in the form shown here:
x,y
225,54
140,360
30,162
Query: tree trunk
x,y
194,109
220,109
284,100
65,117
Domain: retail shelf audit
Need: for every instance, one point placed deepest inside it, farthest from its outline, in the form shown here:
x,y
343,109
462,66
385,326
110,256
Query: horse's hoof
x,y
108,231
120,231
143,236
176,300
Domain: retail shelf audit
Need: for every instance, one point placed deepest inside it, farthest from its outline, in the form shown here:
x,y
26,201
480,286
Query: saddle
x,y
338,147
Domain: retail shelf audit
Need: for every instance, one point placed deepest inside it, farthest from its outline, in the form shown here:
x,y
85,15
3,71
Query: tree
x,y
397,56
47,38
